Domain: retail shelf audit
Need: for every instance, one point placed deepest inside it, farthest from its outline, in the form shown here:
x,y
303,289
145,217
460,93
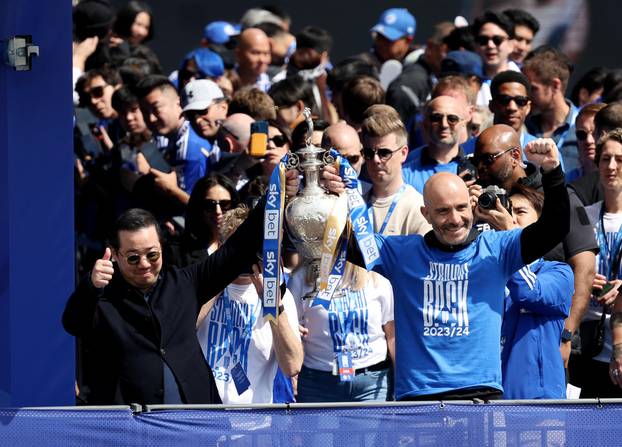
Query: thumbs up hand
x,y
102,270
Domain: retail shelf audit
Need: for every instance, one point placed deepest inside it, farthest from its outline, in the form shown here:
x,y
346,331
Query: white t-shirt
x,y
353,321
252,342
405,218
612,223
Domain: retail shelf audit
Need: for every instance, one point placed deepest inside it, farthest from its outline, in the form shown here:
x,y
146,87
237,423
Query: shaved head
x,y
503,143
252,54
345,139
447,208
251,37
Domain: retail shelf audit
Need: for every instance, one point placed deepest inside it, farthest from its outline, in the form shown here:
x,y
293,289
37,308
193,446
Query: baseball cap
x,y
396,23
220,32
462,61
200,94
208,62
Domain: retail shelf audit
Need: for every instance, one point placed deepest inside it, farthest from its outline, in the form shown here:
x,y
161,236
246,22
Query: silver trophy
x,y
307,213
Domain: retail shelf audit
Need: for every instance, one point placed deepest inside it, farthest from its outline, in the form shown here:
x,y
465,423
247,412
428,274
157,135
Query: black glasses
x,y
192,115
521,101
96,92
210,205
582,134
489,159
452,119
354,159
383,153
483,40
278,140
151,256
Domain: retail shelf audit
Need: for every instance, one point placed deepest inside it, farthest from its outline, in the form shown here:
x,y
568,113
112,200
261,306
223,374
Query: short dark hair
x,y
533,196
253,102
134,69
271,29
126,16
287,92
348,69
460,38
498,18
590,81
315,38
133,219
152,82
548,63
109,75
609,118
506,77
359,94
520,17
123,99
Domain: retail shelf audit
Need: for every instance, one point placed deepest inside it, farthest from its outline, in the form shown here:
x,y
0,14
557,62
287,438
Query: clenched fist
x,y
102,270
543,152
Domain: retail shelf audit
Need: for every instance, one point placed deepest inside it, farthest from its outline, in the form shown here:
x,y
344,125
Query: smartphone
x,y
96,131
465,164
606,288
259,139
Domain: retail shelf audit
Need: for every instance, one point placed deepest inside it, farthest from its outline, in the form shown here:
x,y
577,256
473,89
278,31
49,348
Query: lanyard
x,y
345,325
396,199
614,254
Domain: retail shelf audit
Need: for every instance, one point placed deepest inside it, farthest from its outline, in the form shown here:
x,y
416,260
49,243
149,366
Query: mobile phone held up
x,y
465,164
259,139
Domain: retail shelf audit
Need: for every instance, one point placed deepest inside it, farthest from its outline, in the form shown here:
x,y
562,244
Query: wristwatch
x,y
566,336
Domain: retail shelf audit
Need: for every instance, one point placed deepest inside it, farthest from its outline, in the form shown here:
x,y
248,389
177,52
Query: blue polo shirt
x,y
420,166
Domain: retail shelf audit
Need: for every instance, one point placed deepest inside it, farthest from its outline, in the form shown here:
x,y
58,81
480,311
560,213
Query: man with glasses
x,y
499,162
493,34
344,138
139,316
395,207
443,124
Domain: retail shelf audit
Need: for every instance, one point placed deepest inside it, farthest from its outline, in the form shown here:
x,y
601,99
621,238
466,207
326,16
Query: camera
x,y
487,200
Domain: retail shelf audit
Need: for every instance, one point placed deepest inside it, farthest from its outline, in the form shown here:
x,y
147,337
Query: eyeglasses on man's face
x,y
383,153
152,256
452,119
489,159
483,40
505,100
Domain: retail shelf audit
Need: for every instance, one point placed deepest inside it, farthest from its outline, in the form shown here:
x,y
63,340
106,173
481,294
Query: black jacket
x,y
136,336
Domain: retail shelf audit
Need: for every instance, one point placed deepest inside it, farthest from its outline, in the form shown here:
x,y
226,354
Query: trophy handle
x,y
293,162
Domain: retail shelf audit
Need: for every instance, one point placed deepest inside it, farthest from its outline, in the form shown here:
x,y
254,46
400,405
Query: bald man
x,y
499,162
253,58
346,141
443,123
449,285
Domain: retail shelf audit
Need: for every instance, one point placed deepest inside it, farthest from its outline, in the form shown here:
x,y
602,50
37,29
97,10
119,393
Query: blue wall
x,y
36,208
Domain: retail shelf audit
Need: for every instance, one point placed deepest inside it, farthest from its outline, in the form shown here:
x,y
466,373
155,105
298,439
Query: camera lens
x,y
487,200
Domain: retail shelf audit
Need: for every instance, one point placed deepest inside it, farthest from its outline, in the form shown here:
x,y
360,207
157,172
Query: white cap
x,y
200,94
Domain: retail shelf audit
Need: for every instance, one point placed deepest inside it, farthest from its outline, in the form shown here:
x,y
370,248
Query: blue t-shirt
x,y
448,308
419,167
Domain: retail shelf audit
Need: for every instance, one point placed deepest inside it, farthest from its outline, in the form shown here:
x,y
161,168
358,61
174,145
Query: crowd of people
x,y
494,196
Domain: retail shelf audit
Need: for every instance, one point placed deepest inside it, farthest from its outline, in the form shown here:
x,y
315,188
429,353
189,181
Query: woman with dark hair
x,y
211,197
134,23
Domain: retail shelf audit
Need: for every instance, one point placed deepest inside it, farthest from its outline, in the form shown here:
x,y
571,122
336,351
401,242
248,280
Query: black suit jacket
x,y
135,336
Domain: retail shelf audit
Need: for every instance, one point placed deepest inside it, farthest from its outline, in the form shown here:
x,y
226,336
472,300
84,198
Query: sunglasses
x,y
279,140
353,159
96,92
497,40
151,256
383,153
521,101
192,115
452,120
210,205
582,135
489,159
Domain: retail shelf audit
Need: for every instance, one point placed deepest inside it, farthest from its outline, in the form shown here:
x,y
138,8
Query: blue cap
x,y
464,62
209,63
396,23
220,32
